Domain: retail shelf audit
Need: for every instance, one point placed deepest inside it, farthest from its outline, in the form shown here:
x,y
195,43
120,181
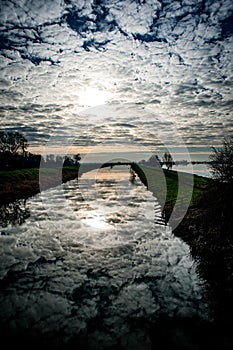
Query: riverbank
x,y
24,183
207,229
21,184
165,184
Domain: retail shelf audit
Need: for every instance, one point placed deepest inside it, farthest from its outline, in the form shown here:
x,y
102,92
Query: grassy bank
x,y
23,183
207,229
173,189
165,184
19,184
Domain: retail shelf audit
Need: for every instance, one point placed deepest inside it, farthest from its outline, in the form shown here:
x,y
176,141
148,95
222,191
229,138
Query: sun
x,y
91,97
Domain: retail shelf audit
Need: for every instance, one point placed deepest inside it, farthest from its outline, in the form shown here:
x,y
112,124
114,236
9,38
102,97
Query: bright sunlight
x,y
97,221
91,97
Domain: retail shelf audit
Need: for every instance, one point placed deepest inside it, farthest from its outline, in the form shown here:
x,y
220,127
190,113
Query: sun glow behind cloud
x,y
91,97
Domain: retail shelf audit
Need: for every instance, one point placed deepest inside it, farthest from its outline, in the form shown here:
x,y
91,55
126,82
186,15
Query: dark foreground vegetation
x,y
207,228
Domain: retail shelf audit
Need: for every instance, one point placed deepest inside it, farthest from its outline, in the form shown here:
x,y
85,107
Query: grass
x,y
18,175
163,183
31,174
195,185
166,184
23,183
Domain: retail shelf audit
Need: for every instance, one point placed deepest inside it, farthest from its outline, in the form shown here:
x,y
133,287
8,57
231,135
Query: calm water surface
x,y
92,261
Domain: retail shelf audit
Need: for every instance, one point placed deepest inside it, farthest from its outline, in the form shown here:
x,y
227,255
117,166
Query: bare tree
x,y
222,162
12,143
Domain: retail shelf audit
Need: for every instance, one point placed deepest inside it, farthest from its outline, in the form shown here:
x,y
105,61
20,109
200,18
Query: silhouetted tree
x,y
168,160
13,152
12,143
68,161
77,158
222,162
50,160
59,160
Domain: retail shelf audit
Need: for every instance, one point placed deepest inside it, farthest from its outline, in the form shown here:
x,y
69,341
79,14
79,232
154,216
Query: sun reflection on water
x,y
97,221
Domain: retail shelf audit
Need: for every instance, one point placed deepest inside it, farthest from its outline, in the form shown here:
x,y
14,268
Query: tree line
x,y
154,161
14,154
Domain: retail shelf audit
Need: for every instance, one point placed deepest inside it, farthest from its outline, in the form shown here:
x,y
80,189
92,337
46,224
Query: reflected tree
x,y
14,213
132,176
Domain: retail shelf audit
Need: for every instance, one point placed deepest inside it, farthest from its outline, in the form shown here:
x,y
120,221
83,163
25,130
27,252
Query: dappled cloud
x,y
144,59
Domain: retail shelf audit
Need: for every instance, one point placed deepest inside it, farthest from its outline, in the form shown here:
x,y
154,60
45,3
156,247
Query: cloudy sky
x,y
133,75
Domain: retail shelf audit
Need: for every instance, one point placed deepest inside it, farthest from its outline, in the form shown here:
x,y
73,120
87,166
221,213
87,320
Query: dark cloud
x,y
88,44
11,95
227,26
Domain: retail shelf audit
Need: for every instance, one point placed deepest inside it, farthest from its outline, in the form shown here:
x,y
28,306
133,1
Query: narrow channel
x,y
92,265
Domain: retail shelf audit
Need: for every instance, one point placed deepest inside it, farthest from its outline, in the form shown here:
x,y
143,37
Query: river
x,y
93,265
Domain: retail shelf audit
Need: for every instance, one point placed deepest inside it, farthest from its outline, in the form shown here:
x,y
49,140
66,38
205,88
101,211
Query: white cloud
x,y
171,59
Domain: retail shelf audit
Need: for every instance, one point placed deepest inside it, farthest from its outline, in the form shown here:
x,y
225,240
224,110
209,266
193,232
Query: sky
x,y
110,76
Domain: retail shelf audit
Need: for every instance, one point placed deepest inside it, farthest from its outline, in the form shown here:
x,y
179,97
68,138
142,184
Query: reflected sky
x,y
91,263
